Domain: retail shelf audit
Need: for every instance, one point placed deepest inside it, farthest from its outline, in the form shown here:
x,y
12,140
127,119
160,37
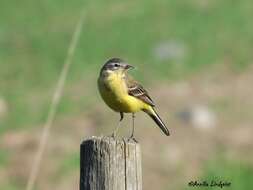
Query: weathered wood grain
x,y
110,164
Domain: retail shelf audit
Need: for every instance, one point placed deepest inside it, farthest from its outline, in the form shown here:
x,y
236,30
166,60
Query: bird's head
x,y
116,65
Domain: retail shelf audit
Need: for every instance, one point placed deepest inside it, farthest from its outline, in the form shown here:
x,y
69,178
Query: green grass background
x,y
35,35
34,38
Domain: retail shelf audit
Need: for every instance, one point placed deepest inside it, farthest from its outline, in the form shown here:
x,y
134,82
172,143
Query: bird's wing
x,y
136,90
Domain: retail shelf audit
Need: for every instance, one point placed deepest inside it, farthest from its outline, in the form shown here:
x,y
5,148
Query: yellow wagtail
x,y
124,95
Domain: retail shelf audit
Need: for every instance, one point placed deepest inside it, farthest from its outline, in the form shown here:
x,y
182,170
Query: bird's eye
x,y
116,65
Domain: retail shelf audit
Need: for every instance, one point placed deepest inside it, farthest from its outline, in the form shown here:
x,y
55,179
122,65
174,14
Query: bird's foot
x,y
131,138
113,135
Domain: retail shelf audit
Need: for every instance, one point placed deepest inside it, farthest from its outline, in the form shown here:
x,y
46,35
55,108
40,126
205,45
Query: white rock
x,y
171,50
199,116
202,117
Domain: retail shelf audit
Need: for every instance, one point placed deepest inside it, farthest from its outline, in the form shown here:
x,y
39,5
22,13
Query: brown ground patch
x,y
168,162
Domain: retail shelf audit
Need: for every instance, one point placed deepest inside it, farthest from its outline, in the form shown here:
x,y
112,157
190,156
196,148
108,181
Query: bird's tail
x,y
154,115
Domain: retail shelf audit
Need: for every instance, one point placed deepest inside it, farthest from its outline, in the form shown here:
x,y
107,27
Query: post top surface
x,y
108,139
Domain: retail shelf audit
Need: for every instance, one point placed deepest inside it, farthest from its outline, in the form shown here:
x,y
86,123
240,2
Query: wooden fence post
x,y
110,164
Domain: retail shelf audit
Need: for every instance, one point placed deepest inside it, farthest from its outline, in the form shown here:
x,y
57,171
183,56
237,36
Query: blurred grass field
x,y
34,37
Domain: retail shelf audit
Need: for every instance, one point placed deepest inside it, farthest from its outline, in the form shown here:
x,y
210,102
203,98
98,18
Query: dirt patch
x,y
168,162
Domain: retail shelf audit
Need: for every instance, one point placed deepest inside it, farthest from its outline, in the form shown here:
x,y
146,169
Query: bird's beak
x,y
127,67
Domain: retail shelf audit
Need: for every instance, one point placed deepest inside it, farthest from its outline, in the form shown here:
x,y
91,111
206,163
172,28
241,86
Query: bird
x,y
123,94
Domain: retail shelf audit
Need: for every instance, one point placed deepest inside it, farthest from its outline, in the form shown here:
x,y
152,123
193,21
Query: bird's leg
x,y
117,127
132,134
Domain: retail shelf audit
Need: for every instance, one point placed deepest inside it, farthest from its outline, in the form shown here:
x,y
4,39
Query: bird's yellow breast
x,y
114,92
